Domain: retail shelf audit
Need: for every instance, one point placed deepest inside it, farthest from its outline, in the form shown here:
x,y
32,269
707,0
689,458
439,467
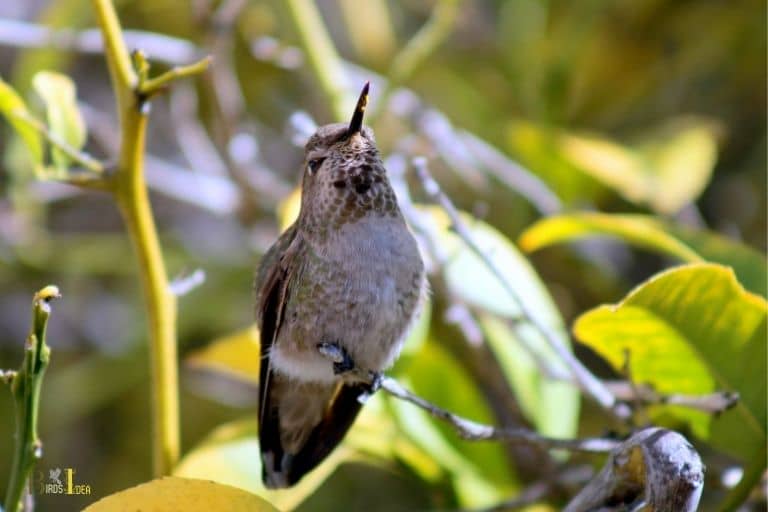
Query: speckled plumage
x,y
348,272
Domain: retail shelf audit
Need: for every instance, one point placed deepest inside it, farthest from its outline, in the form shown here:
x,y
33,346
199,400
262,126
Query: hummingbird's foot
x,y
342,363
370,386
374,384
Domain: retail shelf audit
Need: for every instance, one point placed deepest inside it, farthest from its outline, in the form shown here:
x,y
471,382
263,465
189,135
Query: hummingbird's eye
x,y
315,164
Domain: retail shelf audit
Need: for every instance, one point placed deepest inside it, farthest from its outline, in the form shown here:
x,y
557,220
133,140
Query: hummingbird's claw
x,y
342,363
371,387
375,383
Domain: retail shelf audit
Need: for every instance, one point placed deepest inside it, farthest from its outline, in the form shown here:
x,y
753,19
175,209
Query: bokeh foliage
x,y
645,129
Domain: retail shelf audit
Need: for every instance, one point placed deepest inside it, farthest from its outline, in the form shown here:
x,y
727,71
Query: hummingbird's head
x,y
344,177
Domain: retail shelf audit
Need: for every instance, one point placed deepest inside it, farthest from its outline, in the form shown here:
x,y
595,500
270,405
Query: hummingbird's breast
x,y
360,289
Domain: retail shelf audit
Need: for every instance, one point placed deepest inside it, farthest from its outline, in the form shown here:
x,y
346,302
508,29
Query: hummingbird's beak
x,y
356,124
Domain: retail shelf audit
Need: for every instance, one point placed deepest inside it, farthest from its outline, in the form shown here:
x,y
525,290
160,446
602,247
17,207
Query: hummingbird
x,y
336,296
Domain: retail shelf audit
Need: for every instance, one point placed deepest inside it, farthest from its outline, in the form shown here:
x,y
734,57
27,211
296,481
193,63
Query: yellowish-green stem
x,y
25,386
152,86
133,200
130,191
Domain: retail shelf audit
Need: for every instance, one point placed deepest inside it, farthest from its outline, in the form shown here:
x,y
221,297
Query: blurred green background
x,y
643,106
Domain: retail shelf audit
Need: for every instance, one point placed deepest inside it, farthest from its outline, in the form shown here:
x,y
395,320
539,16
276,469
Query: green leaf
x,y
692,330
648,232
174,493
15,111
751,266
471,280
64,118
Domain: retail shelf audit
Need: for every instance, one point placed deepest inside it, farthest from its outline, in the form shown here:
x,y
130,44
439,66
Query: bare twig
x,y
473,431
590,384
184,284
713,403
154,85
512,174
459,314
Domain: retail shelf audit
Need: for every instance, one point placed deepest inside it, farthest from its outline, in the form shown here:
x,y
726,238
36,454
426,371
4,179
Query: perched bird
x,y
336,296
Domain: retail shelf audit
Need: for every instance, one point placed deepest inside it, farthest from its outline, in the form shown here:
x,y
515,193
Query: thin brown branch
x,y
713,403
474,431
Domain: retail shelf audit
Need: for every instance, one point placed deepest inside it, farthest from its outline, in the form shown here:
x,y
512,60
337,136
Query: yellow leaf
x,y
174,493
237,355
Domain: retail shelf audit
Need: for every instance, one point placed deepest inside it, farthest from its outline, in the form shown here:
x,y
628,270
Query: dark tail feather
x,y
328,434
282,467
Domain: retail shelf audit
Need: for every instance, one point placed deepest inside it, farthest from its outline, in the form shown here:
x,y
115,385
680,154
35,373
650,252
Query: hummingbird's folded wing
x,y
300,423
272,289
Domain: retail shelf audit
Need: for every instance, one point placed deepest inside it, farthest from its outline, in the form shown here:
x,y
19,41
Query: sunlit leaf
x,y
641,230
174,493
751,266
64,118
644,231
469,278
692,330
15,111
